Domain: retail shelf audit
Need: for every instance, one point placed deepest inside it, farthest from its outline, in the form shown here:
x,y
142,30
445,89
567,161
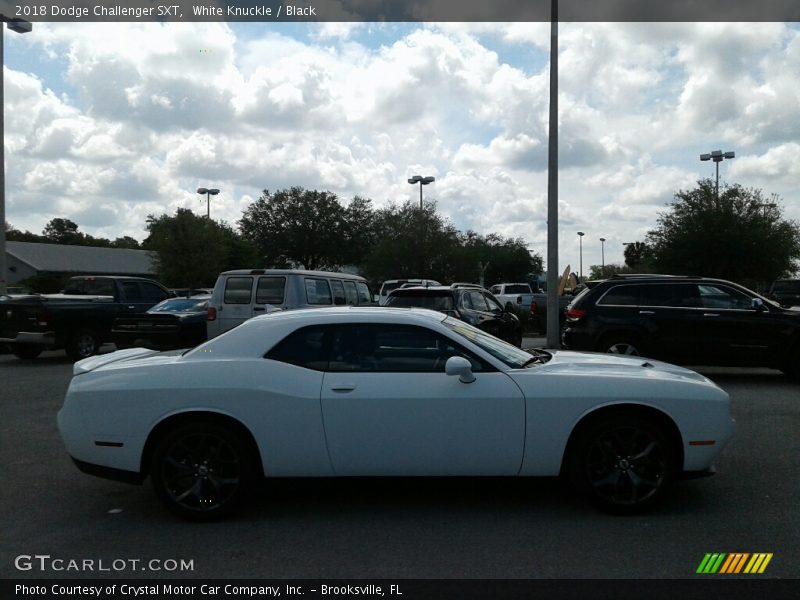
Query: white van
x,y
245,293
393,284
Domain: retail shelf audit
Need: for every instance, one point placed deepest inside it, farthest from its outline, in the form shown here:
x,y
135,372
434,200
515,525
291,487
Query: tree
x,y
411,242
63,231
638,257
738,235
190,250
126,242
15,235
501,259
297,226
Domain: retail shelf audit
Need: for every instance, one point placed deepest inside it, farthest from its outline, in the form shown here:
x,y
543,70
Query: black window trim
x,y
600,302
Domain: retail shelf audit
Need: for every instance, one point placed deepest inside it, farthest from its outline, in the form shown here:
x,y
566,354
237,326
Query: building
x,y
28,259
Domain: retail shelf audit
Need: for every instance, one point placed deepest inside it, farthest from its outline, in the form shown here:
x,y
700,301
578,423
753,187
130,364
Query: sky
x,y
107,123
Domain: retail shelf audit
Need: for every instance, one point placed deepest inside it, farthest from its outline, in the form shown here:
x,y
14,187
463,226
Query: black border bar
x,y
402,10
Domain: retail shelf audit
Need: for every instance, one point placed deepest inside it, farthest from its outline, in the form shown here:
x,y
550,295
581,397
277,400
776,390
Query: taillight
x,y
534,308
211,313
576,313
43,318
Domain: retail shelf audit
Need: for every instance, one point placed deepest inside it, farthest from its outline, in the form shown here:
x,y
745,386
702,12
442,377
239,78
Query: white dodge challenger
x,y
374,391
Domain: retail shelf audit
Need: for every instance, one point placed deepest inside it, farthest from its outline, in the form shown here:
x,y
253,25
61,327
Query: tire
x,y
202,471
623,463
26,351
83,344
621,344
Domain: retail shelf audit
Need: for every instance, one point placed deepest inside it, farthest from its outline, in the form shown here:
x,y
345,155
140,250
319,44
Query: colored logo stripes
x,y
735,562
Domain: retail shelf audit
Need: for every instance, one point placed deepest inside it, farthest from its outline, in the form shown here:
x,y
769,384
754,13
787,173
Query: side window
x,y
338,292
318,292
350,292
673,295
478,301
717,296
494,305
392,349
131,291
270,290
364,295
305,348
621,295
100,287
238,290
152,293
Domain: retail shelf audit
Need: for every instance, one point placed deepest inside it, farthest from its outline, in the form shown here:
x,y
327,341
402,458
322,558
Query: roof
x,y
293,272
60,258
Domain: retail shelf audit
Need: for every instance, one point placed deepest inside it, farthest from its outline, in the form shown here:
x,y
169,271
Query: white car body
x,y
318,423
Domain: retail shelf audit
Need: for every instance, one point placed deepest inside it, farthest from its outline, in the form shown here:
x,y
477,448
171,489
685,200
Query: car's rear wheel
x,y
622,462
26,351
202,470
83,344
621,344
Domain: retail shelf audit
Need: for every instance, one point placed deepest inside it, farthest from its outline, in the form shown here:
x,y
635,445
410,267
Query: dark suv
x,y
686,320
470,303
786,292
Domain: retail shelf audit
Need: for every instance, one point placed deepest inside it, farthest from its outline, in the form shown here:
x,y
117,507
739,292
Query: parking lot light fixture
x,y
717,156
208,192
419,179
580,270
603,256
19,26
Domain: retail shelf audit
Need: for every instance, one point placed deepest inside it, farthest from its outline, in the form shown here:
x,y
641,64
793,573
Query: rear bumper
x,y
698,474
45,338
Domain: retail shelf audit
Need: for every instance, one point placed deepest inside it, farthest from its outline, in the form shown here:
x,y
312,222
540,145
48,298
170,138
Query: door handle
x,y
258,309
343,387
710,314
130,306
647,312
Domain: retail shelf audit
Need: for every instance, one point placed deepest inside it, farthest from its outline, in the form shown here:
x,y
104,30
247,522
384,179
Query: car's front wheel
x,y
26,351
203,470
622,462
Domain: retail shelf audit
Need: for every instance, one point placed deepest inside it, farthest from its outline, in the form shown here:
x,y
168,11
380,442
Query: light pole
x,y
580,270
208,192
603,256
421,181
20,27
717,156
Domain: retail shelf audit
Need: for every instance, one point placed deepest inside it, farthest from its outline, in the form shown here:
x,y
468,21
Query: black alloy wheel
x,y
26,351
624,463
83,344
202,471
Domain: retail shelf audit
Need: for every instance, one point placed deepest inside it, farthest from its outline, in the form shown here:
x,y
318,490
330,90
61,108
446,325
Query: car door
x,y
732,331
475,311
237,304
270,294
668,313
390,409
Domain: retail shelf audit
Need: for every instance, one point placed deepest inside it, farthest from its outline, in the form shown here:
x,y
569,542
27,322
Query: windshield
x,y
510,355
176,305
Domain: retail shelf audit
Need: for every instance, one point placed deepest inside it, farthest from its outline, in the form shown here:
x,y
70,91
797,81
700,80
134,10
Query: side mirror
x,y
757,304
458,365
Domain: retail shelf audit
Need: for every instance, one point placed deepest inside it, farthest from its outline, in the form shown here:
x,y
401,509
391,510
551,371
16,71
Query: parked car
x,y
513,295
686,320
352,391
472,304
244,293
79,319
170,324
785,292
392,284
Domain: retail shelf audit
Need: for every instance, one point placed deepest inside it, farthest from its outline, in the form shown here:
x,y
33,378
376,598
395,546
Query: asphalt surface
x,y
402,528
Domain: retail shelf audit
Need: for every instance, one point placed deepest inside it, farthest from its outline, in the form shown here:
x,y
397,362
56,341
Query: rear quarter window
x,y
238,290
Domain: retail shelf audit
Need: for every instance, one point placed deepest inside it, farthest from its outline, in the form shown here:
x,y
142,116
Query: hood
x,y
124,358
598,363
